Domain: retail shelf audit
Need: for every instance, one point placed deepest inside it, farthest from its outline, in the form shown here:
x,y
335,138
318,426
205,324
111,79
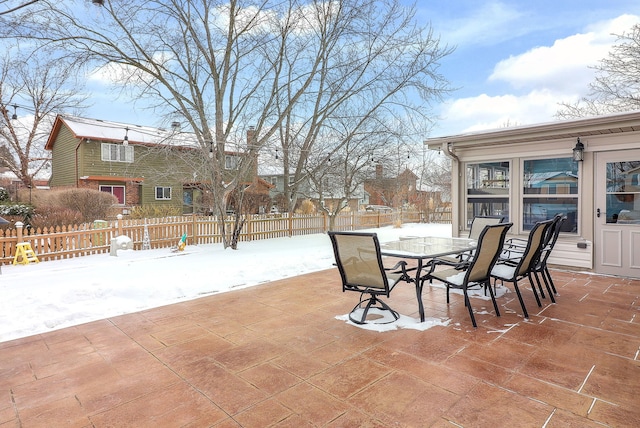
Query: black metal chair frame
x,y
478,270
525,264
373,280
477,226
517,246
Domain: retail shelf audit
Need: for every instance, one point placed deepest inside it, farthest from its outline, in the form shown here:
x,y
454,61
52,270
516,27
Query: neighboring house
x,y
358,200
140,166
275,176
400,192
305,190
528,174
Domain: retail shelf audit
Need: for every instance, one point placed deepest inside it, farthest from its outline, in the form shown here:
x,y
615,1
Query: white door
x,y
617,222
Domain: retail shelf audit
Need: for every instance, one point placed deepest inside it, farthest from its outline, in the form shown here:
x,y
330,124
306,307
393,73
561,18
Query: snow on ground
x,y
45,296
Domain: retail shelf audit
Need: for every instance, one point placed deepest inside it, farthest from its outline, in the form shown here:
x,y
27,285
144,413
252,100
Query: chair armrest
x,y
401,267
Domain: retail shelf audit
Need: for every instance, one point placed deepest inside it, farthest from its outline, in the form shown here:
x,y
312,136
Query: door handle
x,y
598,212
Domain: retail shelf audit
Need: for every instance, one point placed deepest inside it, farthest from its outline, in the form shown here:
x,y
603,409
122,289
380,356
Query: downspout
x,y
447,148
76,154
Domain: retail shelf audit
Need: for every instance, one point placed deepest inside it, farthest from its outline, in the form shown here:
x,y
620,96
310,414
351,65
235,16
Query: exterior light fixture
x,y
15,112
578,151
125,140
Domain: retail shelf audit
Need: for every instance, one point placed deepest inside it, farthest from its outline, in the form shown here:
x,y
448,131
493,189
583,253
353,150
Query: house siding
x,y
63,165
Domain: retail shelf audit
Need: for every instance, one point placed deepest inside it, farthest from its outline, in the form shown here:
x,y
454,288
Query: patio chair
x,y
360,265
510,269
477,226
515,247
541,266
478,270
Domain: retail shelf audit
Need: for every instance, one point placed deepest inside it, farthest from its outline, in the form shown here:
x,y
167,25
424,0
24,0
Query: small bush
x,y
155,211
4,194
55,216
306,207
92,204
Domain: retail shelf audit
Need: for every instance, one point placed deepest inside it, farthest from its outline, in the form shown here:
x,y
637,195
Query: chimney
x,y
378,171
252,146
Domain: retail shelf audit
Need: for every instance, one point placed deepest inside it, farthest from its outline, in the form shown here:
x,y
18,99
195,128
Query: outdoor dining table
x,y
423,250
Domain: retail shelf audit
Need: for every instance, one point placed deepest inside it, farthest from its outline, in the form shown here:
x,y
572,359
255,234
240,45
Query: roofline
x,y
605,124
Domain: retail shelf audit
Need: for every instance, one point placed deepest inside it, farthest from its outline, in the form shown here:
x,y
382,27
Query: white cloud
x,y
537,81
564,66
491,112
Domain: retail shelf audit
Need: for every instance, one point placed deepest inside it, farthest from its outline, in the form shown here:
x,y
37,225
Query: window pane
x,y
623,192
540,209
118,192
551,176
550,187
486,206
487,190
490,178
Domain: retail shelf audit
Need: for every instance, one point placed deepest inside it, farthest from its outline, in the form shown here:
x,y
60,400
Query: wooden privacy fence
x,y
95,238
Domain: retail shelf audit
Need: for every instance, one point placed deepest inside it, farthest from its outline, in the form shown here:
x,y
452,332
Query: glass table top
x,y
426,247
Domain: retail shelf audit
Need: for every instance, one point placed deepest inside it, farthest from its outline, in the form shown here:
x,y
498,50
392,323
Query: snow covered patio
x,y
275,355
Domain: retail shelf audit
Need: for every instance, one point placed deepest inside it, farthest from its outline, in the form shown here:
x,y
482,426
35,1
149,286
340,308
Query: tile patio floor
x,y
274,355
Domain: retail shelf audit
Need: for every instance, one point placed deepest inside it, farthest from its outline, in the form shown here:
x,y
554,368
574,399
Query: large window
x,y
550,186
117,153
117,191
487,189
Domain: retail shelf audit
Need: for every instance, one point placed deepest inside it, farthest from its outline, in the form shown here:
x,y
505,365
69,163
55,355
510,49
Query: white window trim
x,y
164,188
124,191
123,153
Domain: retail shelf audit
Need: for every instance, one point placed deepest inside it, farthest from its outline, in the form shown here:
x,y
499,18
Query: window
x,y
487,189
163,193
231,162
623,192
117,153
117,191
550,186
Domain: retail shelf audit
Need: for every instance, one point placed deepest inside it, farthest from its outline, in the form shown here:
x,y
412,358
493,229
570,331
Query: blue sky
x,y
514,60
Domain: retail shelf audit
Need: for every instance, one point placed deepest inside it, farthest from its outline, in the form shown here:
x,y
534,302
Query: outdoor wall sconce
x,y
125,140
578,151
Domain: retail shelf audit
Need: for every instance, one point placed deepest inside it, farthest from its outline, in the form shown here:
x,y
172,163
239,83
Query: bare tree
x,y
617,84
33,89
378,68
224,66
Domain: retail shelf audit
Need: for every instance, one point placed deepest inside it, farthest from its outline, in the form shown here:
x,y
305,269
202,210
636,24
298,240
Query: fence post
x,y
19,225
195,230
290,214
